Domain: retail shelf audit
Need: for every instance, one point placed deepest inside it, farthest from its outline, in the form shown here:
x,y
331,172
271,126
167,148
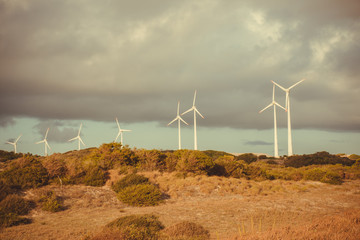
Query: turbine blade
x,y
279,86
273,96
117,122
18,138
188,111
73,139
40,142
10,143
81,141
296,83
178,109
194,98
126,130
183,121
280,106
173,121
80,129
199,113
266,107
117,136
46,143
46,133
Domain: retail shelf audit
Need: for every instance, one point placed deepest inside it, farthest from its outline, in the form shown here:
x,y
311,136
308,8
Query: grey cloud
x,y
257,143
58,131
97,60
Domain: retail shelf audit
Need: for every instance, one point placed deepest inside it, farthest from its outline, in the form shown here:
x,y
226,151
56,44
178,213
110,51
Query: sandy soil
x,y
90,208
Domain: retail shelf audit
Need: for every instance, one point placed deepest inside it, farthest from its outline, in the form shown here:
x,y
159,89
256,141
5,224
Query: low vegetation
x,y
186,230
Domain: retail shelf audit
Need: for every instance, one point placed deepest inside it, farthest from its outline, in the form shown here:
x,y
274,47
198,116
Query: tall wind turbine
x,y
79,138
14,143
193,108
179,120
120,132
274,104
45,142
287,102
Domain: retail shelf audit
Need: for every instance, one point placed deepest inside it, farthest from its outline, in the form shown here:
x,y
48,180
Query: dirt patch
x,y
226,207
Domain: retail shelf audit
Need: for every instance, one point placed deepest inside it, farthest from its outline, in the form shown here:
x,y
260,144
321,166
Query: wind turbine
x,y
287,102
179,120
45,142
14,143
78,137
274,103
193,108
120,133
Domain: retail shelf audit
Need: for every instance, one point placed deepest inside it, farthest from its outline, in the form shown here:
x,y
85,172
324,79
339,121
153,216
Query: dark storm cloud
x,y
258,143
58,131
135,59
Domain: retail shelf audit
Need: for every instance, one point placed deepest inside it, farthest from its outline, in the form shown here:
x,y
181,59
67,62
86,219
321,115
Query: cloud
x,y
258,143
58,131
136,60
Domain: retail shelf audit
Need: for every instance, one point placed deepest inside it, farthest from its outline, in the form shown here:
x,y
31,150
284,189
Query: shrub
x,y
186,230
150,160
5,156
319,158
11,219
140,195
227,166
315,174
15,204
50,202
129,180
247,157
354,157
216,154
133,227
95,176
26,172
332,178
5,189
193,161
55,165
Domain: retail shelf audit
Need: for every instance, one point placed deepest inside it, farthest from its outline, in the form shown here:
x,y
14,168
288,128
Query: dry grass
x,y
224,206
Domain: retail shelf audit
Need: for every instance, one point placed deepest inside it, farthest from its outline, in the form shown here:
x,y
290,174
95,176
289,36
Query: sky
x,y
63,63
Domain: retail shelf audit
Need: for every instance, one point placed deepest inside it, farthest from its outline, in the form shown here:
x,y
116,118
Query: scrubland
x,y
114,192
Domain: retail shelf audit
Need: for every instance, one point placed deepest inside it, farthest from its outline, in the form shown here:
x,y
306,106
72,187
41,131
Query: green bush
x,y
227,166
193,161
332,178
133,227
315,174
24,173
129,180
186,230
319,158
150,160
6,156
50,202
95,176
11,219
15,204
354,157
247,157
141,195
216,154
5,189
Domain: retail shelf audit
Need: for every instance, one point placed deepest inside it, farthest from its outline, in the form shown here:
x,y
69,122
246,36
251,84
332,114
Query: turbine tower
x,y
274,103
79,138
45,142
179,120
193,108
14,143
287,106
120,133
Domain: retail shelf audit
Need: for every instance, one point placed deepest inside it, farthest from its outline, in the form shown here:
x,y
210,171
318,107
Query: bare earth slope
x,y
226,207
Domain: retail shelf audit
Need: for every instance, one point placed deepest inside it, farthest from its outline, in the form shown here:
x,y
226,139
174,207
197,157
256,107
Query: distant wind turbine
x,y
45,142
79,138
274,104
14,143
179,120
287,102
193,108
120,132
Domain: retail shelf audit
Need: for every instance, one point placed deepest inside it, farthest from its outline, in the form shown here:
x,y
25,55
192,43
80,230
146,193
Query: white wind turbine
x,y
274,103
193,108
14,143
120,132
45,142
79,138
179,120
287,106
